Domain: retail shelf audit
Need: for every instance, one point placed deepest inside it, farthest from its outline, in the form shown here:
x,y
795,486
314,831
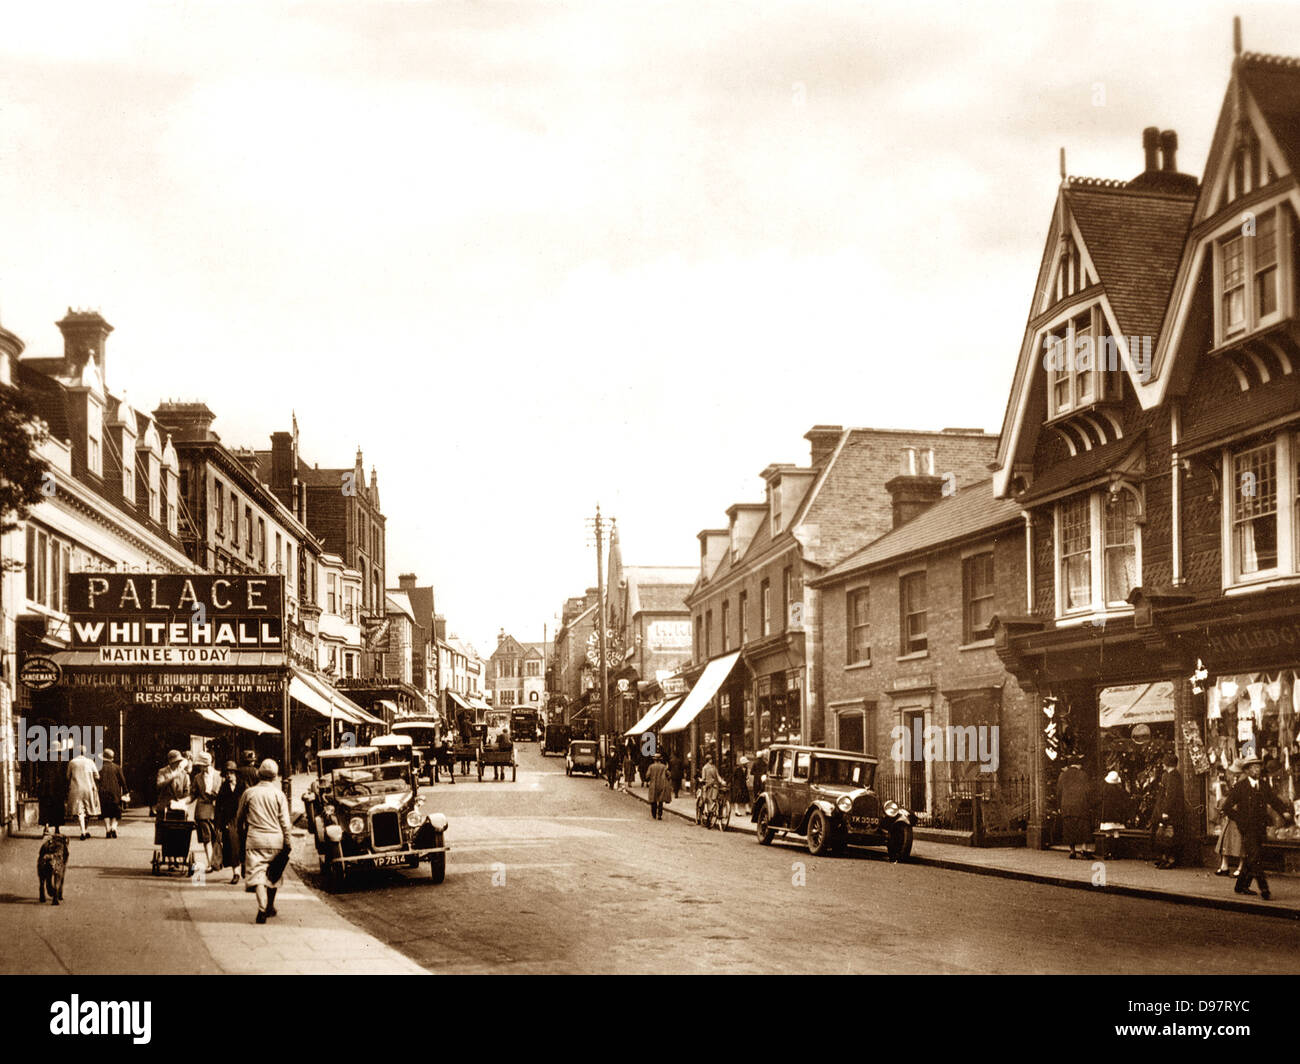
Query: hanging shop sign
x,y
39,672
181,688
175,618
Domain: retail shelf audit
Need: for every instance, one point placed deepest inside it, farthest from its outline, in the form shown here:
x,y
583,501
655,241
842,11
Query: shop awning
x,y
463,703
388,704
1136,703
714,676
236,717
658,713
478,703
318,695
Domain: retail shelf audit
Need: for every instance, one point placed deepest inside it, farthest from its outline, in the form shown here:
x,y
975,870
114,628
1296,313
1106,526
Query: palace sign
x,y
175,619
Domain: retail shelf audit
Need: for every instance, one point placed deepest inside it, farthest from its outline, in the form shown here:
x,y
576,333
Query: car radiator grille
x,y
866,805
385,828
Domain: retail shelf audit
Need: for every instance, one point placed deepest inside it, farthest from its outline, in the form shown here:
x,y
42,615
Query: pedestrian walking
x,y
629,770
112,787
740,787
227,809
660,785
676,770
1248,805
612,766
1228,845
83,789
248,769
1074,794
52,790
758,776
207,783
1169,818
263,819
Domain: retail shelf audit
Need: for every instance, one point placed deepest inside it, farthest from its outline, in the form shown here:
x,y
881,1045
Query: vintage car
x,y
366,812
828,797
393,747
523,725
556,740
583,756
424,733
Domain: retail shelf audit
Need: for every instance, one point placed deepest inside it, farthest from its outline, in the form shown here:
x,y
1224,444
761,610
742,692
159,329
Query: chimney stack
x,y
406,581
85,333
186,421
823,439
1169,151
912,494
1150,146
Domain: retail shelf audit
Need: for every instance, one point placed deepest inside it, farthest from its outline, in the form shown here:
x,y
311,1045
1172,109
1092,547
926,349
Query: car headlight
x,y
844,804
891,809
414,818
334,833
357,825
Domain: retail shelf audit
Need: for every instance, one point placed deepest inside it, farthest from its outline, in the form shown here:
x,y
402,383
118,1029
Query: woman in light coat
x,y
83,789
263,820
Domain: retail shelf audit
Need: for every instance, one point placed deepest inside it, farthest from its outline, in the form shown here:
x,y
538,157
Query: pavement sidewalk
x,y
118,918
1183,886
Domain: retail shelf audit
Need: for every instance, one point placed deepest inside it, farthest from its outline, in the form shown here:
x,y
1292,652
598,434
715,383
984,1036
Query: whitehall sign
x,y
175,619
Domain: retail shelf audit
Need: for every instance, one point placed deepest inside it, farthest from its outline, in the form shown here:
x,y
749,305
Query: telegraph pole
x,y
600,596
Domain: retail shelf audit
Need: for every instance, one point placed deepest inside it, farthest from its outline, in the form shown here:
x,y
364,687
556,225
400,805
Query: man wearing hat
x,y
248,769
173,781
1247,806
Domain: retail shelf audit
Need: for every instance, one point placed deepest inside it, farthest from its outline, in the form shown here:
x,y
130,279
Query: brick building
x,y
751,603
1165,567
517,674
909,657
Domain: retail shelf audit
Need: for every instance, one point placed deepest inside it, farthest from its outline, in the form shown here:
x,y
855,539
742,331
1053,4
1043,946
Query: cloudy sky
x,y
532,257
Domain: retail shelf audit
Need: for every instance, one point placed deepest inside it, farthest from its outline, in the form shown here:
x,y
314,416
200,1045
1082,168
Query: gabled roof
x,y
397,602
1270,103
1130,238
968,514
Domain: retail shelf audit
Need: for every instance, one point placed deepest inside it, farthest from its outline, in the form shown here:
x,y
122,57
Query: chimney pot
x,y
1169,151
1150,145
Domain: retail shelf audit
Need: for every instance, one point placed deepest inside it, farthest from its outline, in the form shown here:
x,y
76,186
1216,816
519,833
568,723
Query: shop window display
x,y
1254,715
1136,728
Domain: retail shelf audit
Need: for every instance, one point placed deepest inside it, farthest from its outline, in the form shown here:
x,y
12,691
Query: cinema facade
x,y
112,514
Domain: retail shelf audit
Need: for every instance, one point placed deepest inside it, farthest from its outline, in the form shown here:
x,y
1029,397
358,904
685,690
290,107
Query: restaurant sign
x,y
175,618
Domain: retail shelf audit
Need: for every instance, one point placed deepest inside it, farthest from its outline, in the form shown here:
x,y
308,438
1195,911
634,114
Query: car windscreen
x,y
843,772
371,779
584,748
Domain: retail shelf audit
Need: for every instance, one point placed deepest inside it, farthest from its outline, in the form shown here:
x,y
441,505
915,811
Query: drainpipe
x,y
1176,494
1029,562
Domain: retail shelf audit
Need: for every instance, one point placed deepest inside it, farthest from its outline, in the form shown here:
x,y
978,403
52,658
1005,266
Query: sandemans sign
x,y
173,618
39,672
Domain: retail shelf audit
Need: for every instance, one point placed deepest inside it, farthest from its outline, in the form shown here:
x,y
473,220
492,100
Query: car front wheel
x,y
820,840
900,842
762,832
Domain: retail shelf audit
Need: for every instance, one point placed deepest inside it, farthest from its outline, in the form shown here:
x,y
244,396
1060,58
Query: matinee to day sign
x,y
175,618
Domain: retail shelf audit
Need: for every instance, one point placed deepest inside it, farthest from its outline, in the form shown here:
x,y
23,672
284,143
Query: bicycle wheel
x,y
724,814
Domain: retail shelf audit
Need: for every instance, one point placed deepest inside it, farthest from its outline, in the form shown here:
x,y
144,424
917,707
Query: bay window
x,y
1261,510
1250,263
1082,363
1098,550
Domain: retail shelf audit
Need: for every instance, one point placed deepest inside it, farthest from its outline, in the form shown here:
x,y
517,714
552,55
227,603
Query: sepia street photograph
x,y
653,488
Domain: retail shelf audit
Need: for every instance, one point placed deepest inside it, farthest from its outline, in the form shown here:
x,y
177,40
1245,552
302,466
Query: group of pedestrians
x,y
1244,807
84,791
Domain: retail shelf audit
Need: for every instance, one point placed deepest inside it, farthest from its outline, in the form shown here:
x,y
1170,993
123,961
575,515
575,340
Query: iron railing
x,y
989,804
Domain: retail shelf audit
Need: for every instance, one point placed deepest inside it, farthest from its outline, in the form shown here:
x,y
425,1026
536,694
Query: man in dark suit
x,y
1247,806
1171,807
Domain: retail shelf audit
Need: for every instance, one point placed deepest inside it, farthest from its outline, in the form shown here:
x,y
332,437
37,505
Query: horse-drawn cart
x,y
492,758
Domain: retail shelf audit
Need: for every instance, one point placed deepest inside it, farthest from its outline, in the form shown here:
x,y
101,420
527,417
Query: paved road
x,y
557,874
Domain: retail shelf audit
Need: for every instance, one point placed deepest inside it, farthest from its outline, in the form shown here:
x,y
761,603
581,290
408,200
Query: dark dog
x,y
51,865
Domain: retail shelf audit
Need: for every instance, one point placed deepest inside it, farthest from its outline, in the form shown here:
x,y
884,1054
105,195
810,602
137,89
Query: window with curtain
x,y
1254,510
1076,552
912,614
977,584
1120,546
859,611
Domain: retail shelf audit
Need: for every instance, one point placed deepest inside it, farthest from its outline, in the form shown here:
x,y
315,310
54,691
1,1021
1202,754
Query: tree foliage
x,y
22,470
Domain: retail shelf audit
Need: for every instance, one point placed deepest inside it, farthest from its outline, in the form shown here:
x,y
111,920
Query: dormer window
x,y
1082,363
94,437
1250,263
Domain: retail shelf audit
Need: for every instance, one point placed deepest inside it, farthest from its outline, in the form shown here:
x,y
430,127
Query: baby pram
x,y
172,833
